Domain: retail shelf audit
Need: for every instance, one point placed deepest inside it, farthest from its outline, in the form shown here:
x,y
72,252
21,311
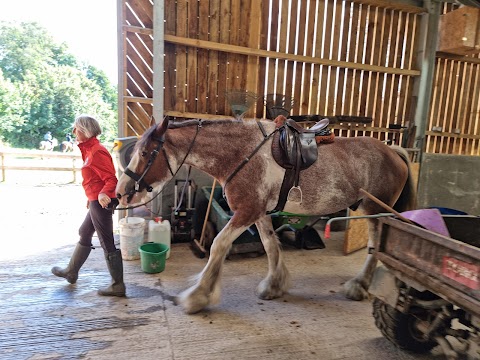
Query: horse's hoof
x,y
266,292
193,301
355,291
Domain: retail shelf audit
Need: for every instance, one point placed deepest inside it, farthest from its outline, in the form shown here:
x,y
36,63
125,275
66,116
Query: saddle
x,y
294,148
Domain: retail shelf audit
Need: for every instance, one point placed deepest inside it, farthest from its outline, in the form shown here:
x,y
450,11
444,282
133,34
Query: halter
x,y
139,179
140,182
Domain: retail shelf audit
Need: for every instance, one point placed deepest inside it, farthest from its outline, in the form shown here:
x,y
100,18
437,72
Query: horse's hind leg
x,y
206,290
277,280
357,288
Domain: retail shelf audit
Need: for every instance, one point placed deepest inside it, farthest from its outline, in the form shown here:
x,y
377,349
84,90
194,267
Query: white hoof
x,y
193,300
266,290
354,290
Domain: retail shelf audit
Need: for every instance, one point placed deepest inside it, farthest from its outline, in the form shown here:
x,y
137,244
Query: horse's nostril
x,y
119,196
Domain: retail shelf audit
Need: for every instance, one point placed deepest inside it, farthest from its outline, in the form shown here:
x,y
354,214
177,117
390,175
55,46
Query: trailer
x,y
426,292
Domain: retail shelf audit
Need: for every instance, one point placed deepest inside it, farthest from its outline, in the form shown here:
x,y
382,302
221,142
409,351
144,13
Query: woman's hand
x,y
104,200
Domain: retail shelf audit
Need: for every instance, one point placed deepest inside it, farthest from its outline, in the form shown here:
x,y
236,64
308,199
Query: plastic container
x,y
159,231
132,235
153,257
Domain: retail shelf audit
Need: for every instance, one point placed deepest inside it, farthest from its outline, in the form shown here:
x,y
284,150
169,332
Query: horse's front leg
x,y
277,281
357,288
206,290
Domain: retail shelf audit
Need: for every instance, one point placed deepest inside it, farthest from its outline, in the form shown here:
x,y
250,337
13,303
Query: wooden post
x,y
3,169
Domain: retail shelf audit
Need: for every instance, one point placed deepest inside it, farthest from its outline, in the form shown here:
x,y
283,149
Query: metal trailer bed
x,y
428,280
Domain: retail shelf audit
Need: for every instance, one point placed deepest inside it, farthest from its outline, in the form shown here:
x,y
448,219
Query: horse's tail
x,y
408,197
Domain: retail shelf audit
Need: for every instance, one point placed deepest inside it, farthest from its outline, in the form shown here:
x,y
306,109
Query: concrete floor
x,y
43,317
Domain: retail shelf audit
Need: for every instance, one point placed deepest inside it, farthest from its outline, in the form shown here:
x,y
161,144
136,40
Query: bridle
x,y
140,182
139,179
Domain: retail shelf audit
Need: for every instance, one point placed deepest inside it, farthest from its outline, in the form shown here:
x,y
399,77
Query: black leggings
x,y
100,220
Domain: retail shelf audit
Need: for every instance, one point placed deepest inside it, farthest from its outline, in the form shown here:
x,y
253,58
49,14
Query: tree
x,y
44,88
10,107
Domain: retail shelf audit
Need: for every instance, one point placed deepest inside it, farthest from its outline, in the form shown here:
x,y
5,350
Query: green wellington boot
x,y
115,267
80,254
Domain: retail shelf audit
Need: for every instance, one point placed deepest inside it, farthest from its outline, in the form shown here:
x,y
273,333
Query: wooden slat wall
x,y
332,57
453,124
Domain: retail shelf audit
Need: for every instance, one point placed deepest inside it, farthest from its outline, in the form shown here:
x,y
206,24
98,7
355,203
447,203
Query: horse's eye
x,y
144,153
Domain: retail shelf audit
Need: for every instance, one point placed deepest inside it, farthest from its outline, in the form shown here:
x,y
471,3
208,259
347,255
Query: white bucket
x,y
159,232
131,237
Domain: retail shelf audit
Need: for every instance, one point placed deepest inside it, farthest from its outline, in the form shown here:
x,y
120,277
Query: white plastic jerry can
x,y
159,232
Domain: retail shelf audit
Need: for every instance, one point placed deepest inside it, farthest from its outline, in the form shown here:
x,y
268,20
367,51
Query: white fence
x,y
16,159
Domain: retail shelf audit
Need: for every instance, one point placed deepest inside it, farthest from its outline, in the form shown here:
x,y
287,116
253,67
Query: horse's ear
x,y
152,121
163,126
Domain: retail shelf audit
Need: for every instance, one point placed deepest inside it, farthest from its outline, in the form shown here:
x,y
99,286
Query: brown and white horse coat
x,y
331,184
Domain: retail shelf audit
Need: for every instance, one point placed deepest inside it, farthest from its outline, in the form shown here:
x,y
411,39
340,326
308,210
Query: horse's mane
x,y
149,134
176,124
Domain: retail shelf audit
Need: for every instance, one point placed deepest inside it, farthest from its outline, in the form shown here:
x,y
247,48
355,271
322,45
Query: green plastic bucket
x,y
153,257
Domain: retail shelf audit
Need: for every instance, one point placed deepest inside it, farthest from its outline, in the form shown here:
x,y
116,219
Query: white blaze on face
x,y
124,179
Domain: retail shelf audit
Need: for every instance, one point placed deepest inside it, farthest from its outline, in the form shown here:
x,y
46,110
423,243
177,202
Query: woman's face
x,y
79,135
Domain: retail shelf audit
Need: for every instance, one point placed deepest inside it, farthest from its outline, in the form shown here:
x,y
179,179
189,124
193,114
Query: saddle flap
x,y
320,125
294,146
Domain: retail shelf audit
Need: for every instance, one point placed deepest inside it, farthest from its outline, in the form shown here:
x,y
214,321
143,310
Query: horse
x,y
239,156
47,145
66,146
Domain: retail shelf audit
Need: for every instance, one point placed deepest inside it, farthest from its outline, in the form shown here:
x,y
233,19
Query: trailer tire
x,y
399,328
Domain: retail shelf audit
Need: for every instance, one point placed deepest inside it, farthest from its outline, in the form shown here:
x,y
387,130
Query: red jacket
x,y
98,172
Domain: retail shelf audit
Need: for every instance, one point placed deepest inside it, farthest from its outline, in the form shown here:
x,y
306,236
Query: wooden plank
x,y
233,49
140,56
192,63
318,36
181,58
300,66
369,56
271,60
356,233
203,56
213,68
234,66
262,62
287,68
475,112
342,90
360,58
282,46
170,57
137,85
334,55
223,57
253,61
395,5
353,38
131,18
143,10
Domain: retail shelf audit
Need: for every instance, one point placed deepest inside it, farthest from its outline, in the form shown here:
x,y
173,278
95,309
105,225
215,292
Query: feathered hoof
x,y
354,290
193,300
267,292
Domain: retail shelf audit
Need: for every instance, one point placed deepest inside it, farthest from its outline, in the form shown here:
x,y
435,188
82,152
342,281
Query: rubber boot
x,y
115,267
80,254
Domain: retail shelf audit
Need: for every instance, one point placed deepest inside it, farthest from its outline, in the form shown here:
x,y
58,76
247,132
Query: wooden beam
x,y
203,44
471,60
410,6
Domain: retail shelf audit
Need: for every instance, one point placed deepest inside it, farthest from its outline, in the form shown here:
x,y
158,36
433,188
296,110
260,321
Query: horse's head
x,y
148,167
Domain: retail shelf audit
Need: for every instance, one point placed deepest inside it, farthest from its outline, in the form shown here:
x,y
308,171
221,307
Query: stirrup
x,y
295,188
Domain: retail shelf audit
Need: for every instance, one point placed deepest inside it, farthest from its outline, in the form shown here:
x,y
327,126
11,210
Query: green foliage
x,y
43,88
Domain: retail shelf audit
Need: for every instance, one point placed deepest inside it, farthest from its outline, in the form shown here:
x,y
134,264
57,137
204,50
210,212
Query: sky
x,y
89,27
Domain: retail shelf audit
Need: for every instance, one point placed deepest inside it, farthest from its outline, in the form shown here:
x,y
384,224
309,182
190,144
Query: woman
x,y
99,182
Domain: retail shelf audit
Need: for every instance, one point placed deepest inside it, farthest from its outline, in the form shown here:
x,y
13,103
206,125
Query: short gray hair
x,y
88,125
